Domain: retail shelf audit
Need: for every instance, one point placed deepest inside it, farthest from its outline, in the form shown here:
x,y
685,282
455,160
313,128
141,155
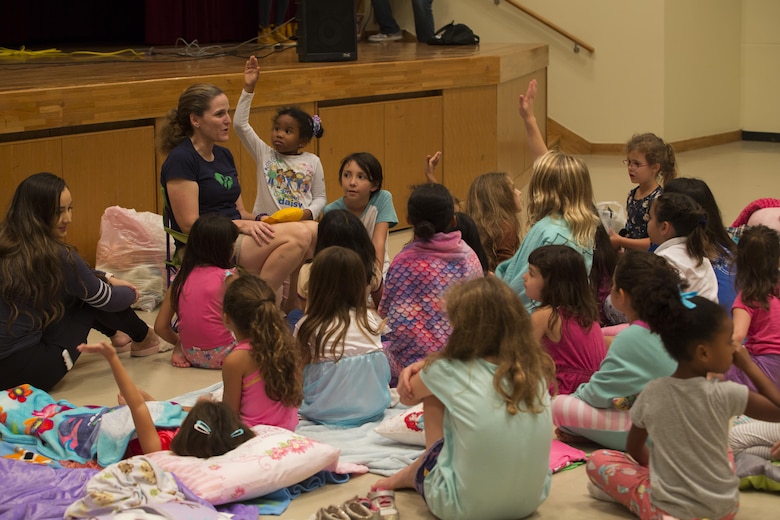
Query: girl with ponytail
x,y
679,226
262,375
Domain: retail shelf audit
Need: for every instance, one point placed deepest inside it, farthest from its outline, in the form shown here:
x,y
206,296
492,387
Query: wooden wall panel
x,y
114,168
349,129
469,136
413,129
22,159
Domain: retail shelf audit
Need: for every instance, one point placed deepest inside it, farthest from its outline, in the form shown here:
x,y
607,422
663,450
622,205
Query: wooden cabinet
x,y
398,133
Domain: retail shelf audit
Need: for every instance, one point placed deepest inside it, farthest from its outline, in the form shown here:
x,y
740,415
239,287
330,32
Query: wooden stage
x,y
94,119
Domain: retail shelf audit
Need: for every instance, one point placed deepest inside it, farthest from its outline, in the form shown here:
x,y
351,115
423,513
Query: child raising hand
x,y
209,429
287,177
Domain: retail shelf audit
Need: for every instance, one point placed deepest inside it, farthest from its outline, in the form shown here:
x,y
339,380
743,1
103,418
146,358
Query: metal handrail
x,y
577,42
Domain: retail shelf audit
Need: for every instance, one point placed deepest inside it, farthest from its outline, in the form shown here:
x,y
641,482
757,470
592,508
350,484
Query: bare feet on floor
x,y
178,359
150,345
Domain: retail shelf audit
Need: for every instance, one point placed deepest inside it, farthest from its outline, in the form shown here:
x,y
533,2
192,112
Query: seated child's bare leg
x,y
120,339
401,480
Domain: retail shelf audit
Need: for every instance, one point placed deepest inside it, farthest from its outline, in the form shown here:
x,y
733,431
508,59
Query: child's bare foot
x,y
178,359
121,342
569,438
150,345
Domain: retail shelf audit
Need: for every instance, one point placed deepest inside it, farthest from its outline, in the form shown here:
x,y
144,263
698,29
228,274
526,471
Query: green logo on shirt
x,y
225,180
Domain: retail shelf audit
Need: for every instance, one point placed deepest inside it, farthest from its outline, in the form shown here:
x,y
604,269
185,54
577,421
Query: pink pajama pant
x,y
615,473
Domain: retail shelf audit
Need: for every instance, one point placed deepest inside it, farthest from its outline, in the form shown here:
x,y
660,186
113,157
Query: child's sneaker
x,y
330,513
360,509
381,37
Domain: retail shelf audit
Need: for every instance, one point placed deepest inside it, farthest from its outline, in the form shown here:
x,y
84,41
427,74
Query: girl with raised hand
x,y
679,226
686,471
651,164
346,375
194,298
209,429
436,260
262,375
361,179
566,321
287,176
756,309
598,410
487,411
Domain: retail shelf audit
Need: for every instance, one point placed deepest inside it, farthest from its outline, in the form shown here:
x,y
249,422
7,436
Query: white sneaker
x,y
381,37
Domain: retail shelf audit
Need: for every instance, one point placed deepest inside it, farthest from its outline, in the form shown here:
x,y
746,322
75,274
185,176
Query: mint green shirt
x,y
492,465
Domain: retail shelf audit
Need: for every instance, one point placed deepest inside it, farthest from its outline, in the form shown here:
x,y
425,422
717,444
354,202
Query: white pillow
x,y
406,427
273,460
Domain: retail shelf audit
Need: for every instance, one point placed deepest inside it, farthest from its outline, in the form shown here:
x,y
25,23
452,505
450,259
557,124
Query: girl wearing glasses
x,y
651,163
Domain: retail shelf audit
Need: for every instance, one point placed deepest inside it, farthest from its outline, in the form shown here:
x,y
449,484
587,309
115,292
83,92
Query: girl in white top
x,y
679,226
287,177
346,374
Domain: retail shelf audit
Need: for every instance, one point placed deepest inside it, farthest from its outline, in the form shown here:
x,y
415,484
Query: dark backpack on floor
x,y
455,34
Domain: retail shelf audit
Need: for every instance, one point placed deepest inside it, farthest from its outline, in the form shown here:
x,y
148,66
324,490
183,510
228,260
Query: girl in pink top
x,y
262,376
566,322
756,310
195,296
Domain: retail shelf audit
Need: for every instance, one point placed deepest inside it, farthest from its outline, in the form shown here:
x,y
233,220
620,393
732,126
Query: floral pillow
x,y
406,427
275,459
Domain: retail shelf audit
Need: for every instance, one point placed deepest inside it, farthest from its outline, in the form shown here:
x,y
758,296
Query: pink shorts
x,y
211,358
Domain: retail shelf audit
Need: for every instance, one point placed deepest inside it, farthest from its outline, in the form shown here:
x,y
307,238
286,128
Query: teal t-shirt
x,y
492,465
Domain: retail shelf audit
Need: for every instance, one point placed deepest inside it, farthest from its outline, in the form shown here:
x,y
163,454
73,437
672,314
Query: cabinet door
x,y
102,169
413,129
400,133
350,129
22,159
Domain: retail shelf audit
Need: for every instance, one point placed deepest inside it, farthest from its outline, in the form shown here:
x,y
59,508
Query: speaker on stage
x,y
327,30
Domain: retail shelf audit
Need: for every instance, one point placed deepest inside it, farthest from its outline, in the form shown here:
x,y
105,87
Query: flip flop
x,y
384,500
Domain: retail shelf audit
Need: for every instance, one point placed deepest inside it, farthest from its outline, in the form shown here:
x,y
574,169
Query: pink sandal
x,y
384,500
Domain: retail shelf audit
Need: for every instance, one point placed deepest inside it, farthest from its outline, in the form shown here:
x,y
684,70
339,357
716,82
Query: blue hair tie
x,y
686,297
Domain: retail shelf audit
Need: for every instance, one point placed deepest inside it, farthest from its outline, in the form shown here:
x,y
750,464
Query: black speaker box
x,y
327,30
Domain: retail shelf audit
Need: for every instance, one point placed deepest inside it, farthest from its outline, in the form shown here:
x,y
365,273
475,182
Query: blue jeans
x,y
423,18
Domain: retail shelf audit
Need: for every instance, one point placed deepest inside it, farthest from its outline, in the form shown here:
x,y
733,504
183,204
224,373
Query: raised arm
x,y
536,144
142,419
431,161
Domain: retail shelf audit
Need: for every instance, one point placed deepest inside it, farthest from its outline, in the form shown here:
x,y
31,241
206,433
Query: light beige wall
x,y
760,73
679,68
701,60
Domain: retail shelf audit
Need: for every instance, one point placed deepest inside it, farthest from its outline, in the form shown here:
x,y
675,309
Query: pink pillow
x,y
273,460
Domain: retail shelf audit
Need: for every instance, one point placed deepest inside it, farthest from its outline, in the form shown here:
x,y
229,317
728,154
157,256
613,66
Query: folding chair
x,y
172,260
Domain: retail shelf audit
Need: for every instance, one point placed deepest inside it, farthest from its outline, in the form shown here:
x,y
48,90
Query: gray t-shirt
x,y
687,421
